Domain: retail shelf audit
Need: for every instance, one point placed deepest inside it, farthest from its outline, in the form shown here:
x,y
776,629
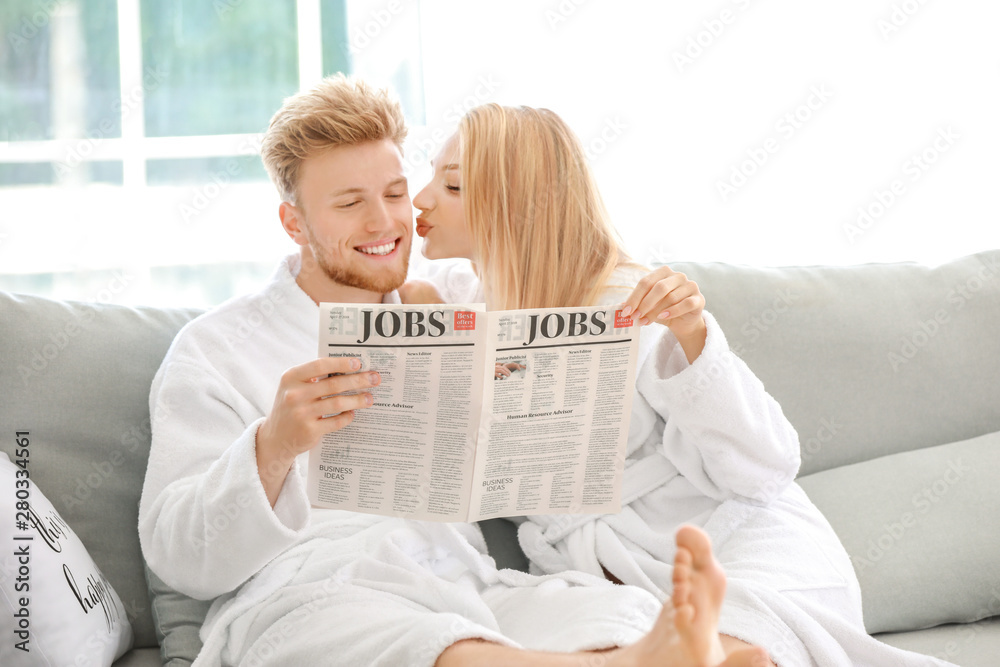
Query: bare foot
x,y
699,587
687,634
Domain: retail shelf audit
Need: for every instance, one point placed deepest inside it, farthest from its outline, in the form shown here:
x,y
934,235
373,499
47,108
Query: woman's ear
x,y
293,222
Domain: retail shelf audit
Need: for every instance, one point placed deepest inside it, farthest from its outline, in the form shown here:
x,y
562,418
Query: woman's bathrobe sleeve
x,y
205,523
722,431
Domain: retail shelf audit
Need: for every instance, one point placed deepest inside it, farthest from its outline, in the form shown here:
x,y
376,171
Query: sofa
x,y
889,372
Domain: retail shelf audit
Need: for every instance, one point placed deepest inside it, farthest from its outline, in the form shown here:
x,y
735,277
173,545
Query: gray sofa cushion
x,y
920,528
867,360
140,657
965,644
178,620
89,425
90,434
852,353
502,544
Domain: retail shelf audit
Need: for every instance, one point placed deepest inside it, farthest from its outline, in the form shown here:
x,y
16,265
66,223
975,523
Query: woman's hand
x,y
671,298
419,291
504,370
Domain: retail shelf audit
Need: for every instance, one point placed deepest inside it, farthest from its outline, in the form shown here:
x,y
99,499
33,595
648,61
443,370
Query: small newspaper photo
x,y
479,414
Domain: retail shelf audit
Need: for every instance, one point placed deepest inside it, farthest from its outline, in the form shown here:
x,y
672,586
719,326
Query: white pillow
x,y
64,611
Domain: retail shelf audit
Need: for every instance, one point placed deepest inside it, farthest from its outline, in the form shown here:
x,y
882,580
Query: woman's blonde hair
x,y
539,226
339,111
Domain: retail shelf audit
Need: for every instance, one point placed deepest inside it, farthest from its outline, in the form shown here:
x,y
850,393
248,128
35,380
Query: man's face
x,y
356,216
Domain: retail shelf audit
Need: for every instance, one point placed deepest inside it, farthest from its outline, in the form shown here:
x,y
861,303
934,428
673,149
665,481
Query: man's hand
x,y
670,298
419,291
311,401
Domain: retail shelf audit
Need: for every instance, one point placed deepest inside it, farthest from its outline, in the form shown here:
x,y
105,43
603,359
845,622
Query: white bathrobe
x,y
297,585
709,446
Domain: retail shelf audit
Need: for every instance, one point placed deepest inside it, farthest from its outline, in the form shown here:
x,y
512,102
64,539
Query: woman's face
x,y
441,222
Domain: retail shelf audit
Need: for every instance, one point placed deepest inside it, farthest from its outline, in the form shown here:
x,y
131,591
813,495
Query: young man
x,y
241,396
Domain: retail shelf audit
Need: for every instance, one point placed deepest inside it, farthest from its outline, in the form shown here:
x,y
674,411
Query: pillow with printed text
x,y
63,609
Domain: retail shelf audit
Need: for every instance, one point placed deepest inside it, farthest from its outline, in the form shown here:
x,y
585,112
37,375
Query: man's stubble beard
x,y
382,282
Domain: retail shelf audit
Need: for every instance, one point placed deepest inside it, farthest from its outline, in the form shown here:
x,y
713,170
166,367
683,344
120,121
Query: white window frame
x,y
134,149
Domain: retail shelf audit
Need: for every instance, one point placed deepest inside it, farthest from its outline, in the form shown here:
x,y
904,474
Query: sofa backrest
x,y
76,376
867,360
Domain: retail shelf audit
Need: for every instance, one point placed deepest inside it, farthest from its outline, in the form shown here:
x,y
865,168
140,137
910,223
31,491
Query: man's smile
x,y
379,248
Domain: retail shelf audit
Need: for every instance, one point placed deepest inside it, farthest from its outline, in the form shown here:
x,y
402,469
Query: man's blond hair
x,y
339,111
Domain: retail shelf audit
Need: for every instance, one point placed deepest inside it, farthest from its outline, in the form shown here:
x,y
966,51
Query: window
x,y
129,153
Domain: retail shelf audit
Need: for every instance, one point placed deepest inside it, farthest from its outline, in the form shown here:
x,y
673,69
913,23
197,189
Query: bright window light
x,y
769,133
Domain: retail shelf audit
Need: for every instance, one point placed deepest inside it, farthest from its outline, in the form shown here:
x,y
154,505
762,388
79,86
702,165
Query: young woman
x,y
512,192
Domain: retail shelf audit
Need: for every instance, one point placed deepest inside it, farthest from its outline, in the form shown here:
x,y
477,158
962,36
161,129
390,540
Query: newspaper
x,y
479,414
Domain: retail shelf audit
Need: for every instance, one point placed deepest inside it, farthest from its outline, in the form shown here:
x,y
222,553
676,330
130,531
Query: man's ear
x,y
293,221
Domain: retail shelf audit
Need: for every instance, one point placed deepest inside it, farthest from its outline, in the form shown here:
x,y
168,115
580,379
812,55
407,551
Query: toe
x,y
696,542
684,618
681,577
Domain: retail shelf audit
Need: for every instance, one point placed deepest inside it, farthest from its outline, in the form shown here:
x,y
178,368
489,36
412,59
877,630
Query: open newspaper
x,y
479,414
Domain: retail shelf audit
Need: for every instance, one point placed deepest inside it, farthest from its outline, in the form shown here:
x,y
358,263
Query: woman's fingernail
x,y
355,363
644,321
375,379
369,399
664,315
626,311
